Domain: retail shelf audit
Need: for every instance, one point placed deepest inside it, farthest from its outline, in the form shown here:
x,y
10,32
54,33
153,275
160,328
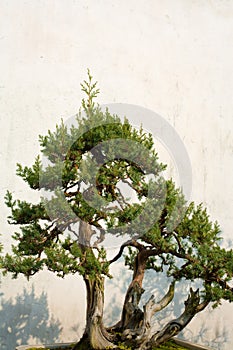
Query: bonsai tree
x,y
85,173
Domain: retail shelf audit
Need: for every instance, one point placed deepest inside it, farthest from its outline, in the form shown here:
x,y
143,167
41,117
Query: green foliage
x,y
26,265
31,175
90,90
23,212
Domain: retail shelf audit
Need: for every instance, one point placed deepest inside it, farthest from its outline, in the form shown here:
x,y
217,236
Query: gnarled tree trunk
x,y
132,315
95,334
172,328
95,331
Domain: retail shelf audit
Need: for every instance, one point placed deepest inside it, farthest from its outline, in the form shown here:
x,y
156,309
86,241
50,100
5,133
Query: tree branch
x,y
129,243
150,308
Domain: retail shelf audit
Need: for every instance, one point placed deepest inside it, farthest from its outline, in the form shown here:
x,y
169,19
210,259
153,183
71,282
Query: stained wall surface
x,y
171,57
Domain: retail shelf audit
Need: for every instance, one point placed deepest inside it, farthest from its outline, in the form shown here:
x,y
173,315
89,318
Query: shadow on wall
x,y
26,318
157,284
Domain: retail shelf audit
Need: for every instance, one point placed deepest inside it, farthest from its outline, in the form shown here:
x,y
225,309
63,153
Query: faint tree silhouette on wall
x,y
26,318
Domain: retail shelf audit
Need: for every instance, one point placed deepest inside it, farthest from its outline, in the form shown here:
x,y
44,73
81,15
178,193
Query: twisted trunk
x,y
150,308
132,315
95,331
172,328
95,335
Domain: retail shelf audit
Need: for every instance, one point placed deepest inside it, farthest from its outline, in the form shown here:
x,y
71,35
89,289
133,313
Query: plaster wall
x,y
172,57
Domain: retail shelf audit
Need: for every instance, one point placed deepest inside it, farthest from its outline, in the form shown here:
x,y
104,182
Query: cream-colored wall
x,y
173,57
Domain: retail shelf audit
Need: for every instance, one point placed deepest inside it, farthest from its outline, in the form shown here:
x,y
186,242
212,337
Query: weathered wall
x,y
173,57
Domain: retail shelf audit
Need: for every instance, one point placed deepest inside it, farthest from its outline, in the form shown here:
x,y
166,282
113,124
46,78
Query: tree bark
x,y
150,308
132,315
172,328
131,312
95,333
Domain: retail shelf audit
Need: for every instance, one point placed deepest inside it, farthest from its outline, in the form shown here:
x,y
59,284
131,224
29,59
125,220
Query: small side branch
x,y
129,243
